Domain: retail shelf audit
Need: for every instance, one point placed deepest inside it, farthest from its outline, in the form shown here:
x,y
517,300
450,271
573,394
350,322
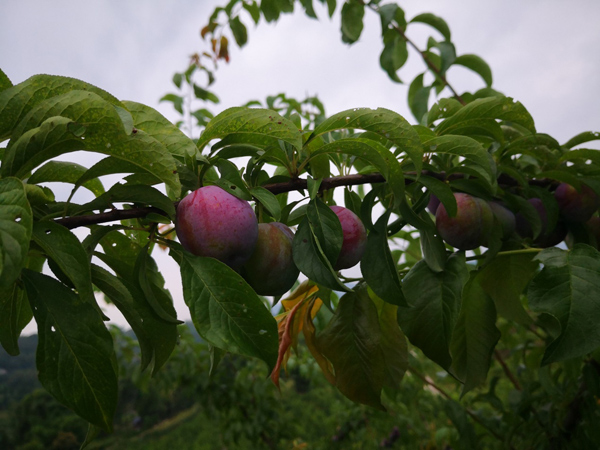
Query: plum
x,y
547,238
211,222
271,269
471,226
433,204
355,238
505,217
576,206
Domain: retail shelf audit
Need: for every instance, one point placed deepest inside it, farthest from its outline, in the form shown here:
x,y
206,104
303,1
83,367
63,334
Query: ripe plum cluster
x,y
211,222
471,227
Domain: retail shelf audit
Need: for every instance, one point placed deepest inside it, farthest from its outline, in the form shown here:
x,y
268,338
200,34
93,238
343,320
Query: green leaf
x,y
352,341
155,125
458,415
16,221
393,344
434,21
433,249
504,280
465,147
386,123
268,200
308,8
156,338
65,172
418,98
447,56
377,265
394,54
389,13
240,34
260,127
66,251
270,10
582,138
435,300
310,258
490,109
441,190
568,289
475,336
75,357
374,153
141,275
106,166
353,13
137,194
175,99
582,154
327,229
5,82
15,314
17,101
331,5
226,311
253,9
477,65
82,120
204,94
444,108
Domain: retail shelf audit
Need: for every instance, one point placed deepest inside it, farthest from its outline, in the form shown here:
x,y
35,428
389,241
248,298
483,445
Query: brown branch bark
x,y
297,184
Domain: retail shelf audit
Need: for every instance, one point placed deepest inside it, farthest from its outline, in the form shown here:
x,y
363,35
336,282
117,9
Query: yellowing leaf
x,y
296,305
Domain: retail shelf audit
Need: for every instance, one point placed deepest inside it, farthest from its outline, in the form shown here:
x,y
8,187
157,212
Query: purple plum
x,y
271,269
355,238
574,205
471,226
212,222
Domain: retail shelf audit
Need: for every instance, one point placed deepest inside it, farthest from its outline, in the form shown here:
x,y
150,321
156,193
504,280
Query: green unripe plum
x,y
355,238
576,206
271,269
471,226
211,222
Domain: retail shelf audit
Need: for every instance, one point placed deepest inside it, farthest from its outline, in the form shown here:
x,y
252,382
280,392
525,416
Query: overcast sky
x,y
544,53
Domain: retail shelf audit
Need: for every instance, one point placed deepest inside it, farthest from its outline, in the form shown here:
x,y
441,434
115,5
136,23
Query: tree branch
x,y
297,184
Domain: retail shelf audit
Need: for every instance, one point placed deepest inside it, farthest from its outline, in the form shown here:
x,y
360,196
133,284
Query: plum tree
x,y
574,205
355,238
470,227
271,269
212,222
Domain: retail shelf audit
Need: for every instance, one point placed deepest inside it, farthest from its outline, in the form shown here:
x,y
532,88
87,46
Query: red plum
x,y
471,226
212,222
355,238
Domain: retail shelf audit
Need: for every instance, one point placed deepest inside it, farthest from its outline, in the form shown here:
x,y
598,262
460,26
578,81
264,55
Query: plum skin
x,y
355,238
471,226
505,217
271,269
576,206
211,222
